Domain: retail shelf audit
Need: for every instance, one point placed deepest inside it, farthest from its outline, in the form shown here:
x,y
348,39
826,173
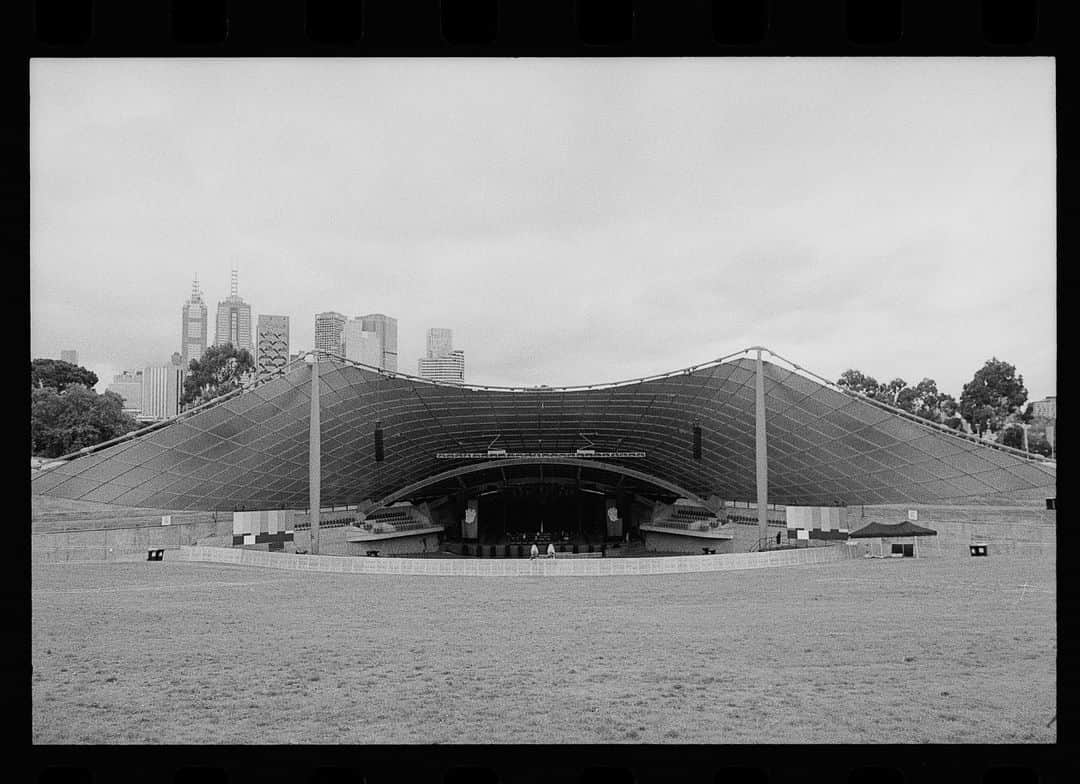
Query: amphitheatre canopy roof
x,y
824,445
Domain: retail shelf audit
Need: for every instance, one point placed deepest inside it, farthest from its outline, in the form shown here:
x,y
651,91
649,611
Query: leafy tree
x,y
923,400
860,383
59,375
1013,436
64,422
995,393
1037,444
220,370
955,422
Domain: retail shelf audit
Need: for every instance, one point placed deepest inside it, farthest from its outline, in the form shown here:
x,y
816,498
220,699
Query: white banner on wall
x,y
166,519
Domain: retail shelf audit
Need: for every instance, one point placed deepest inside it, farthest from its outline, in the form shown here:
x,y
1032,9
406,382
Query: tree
x,y
860,383
59,375
219,371
923,400
1037,444
64,422
955,422
992,395
1013,436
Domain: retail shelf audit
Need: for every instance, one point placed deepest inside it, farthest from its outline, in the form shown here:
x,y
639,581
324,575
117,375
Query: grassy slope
x,y
947,650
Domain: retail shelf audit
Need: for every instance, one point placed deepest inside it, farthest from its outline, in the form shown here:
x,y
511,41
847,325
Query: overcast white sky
x,y
573,221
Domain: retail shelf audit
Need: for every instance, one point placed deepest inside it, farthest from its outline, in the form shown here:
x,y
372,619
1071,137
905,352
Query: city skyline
x,y
574,221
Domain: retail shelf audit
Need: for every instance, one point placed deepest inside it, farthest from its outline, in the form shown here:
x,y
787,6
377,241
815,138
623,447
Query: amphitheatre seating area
x,y
339,522
394,519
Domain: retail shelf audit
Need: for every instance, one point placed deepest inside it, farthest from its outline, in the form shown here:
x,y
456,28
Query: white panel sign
x,y
166,519
803,534
913,514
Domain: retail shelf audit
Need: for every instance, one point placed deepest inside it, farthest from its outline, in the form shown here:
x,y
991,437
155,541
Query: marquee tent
x,y
883,531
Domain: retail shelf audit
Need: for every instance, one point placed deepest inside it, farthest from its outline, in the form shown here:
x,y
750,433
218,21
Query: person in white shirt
x,y
551,550
535,551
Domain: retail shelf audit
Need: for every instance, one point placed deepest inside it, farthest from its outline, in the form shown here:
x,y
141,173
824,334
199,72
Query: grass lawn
x,y
930,650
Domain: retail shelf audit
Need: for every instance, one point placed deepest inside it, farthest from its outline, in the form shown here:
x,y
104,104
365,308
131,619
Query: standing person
x,y
535,551
778,537
551,550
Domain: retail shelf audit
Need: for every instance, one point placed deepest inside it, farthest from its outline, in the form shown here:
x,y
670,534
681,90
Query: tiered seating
x,y
337,522
395,519
679,525
692,513
389,516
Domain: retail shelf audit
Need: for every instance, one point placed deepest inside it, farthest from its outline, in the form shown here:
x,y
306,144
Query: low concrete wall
x,y
427,542
117,544
663,542
1025,531
512,567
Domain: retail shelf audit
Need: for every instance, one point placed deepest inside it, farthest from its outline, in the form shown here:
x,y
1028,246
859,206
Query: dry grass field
x,y
934,650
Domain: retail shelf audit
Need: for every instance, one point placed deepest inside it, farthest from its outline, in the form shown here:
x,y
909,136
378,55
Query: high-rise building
x,y
386,328
161,390
70,355
128,385
194,327
234,319
449,368
360,345
330,332
439,342
1046,408
442,363
273,345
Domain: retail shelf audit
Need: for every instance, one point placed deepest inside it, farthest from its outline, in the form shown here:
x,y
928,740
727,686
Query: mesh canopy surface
x,y
824,445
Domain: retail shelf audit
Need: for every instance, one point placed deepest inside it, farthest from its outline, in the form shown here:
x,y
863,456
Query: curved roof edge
x,y
935,426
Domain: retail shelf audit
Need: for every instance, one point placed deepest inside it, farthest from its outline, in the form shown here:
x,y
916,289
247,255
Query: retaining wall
x,y
512,567
117,544
1021,530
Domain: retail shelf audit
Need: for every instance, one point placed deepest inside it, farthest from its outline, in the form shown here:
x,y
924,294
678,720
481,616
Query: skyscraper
x,y
439,342
362,346
449,368
273,345
70,356
161,390
234,319
194,328
386,329
128,385
329,332
442,363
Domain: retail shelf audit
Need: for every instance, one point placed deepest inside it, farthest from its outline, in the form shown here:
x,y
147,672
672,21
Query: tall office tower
x,y
70,356
273,345
386,328
329,332
361,346
439,342
1047,407
161,390
234,319
449,368
195,326
128,385
442,363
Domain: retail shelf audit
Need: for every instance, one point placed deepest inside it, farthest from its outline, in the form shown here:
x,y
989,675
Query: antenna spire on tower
x,y
234,287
